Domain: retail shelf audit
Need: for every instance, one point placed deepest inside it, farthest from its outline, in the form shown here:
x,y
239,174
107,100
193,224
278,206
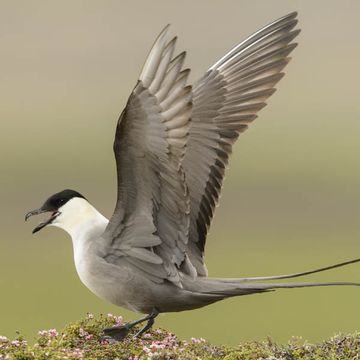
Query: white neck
x,y
85,225
80,220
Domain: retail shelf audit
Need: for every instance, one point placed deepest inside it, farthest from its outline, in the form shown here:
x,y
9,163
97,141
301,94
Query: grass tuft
x,y
83,340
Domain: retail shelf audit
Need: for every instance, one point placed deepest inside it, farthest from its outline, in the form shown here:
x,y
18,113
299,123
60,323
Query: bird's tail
x,y
224,289
227,287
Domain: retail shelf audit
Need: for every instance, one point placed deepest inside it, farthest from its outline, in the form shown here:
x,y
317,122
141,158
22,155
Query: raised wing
x,y
149,228
225,101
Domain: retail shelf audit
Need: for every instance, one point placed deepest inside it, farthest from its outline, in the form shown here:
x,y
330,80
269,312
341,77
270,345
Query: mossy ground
x,y
83,340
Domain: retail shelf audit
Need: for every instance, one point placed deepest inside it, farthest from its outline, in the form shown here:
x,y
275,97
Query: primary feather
x,y
225,101
172,146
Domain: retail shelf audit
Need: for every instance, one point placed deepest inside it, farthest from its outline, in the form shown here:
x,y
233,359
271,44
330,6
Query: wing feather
x,y
170,169
225,101
149,228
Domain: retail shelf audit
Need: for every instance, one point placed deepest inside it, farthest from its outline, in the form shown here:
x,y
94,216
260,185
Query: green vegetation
x,y
83,340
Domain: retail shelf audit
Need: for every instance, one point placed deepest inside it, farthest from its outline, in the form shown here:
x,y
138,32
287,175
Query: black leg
x,y
119,333
148,326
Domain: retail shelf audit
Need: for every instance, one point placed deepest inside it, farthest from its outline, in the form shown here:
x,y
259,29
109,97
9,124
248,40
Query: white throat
x,y
85,226
80,219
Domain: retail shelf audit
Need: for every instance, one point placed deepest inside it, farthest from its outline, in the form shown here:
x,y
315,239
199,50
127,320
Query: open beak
x,y
54,214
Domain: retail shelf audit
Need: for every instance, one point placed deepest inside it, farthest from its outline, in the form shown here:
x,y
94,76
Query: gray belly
x,y
128,287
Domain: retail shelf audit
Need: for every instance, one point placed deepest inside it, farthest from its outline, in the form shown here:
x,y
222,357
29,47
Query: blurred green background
x,y
291,200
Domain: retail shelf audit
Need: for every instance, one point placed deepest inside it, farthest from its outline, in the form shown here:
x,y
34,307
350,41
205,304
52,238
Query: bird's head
x,y
64,207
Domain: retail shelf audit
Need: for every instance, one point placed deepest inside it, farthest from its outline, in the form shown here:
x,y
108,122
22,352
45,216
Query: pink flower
x,y
3,339
53,333
157,345
50,333
84,334
198,341
18,343
78,353
117,319
90,315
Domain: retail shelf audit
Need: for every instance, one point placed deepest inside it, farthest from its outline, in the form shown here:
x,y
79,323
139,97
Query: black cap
x,y
57,200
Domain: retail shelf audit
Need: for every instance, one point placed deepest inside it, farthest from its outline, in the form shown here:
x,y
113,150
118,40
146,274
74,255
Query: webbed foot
x,y
117,333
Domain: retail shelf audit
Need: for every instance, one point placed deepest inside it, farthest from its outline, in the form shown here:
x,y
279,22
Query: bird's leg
x,y
149,324
119,332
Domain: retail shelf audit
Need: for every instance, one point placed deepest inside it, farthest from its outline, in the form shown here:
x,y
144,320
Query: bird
x,y
172,146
